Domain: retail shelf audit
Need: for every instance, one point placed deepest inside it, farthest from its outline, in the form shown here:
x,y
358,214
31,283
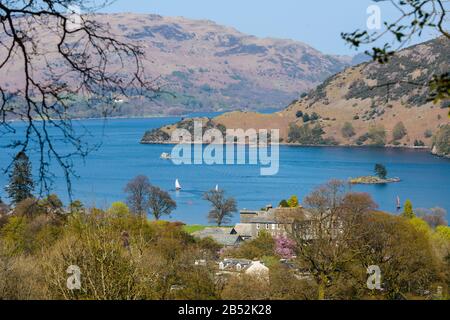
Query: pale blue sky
x,y
315,22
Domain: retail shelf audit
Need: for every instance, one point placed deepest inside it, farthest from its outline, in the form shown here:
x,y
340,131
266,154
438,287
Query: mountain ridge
x,y
209,67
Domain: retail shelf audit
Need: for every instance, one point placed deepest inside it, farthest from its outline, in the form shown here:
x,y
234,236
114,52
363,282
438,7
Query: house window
x,y
267,226
273,226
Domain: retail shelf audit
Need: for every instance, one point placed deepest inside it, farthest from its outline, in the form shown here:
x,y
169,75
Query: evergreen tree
x,y
21,183
408,210
380,171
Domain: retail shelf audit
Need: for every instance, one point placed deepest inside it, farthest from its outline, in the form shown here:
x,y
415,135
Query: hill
x,y
208,67
367,104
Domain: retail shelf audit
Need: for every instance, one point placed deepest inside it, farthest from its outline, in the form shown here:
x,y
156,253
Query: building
x,y
226,237
275,221
237,266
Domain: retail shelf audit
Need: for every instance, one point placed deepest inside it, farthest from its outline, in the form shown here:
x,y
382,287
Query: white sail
x,y
217,187
177,185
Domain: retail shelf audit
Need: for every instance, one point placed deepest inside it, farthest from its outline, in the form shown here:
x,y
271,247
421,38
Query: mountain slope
x,y
369,104
212,67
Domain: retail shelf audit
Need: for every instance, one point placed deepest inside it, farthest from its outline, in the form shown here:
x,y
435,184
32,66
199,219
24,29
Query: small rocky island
x,y
163,135
373,180
380,178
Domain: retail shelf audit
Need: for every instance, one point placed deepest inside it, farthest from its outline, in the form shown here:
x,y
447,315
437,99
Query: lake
x,y
103,175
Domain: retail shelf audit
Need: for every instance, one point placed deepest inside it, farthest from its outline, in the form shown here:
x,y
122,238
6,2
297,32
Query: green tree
x,y
306,117
381,171
21,183
408,211
119,209
293,202
284,204
222,208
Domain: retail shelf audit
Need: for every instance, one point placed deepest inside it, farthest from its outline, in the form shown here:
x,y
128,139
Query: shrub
x,y
314,116
399,131
299,114
428,133
377,135
441,140
284,204
306,118
347,130
307,135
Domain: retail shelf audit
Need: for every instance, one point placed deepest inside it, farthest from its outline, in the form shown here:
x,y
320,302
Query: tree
x,y
61,63
160,203
415,16
347,130
293,202
403,253
76,206
399,131
323,238
284,247
138,193
408,211
284,204
119,209
52,205
435,217
21,183
222,208
441,140
306,117
381,171
3,208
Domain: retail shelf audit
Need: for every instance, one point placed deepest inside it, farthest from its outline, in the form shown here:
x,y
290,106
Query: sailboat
x,y
177,185
399,206
217,187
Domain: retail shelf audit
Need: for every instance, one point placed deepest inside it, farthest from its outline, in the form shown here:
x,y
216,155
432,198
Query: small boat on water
x,y
165,156
217,187
399,206
177,185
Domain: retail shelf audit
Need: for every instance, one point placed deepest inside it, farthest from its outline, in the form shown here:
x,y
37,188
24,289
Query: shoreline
x,y
285,144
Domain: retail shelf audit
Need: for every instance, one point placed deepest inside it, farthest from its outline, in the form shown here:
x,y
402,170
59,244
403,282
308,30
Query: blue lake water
x,y
103,175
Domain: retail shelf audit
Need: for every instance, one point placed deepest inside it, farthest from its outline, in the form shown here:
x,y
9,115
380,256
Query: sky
x,y
315,22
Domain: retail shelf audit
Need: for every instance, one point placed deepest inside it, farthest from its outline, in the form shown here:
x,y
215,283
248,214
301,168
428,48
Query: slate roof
x,y
244,229
222,236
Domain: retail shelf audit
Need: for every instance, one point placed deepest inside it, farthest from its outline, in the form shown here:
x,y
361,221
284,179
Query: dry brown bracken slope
x,y
369,104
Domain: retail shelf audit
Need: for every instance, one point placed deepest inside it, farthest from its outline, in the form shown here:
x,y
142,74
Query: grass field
x,y
194,228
